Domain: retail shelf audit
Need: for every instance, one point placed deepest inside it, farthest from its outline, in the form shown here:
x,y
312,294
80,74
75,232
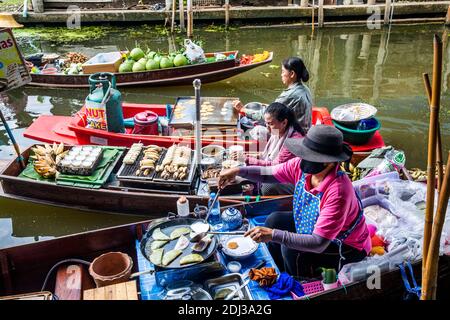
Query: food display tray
x,y
215,119
128,171
190,177
230,281
80,171
154,182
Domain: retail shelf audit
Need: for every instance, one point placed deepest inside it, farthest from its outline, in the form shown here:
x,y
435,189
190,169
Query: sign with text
x,y
13,70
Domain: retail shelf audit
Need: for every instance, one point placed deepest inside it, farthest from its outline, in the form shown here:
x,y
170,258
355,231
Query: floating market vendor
x,y
327,227
282,125
297,96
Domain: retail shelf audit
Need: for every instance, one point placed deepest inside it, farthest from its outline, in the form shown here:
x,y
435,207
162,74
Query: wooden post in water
x,y
190,18
387,12
447,17
320,14
174,7
227,13
431,167
429,283
38,6
181,8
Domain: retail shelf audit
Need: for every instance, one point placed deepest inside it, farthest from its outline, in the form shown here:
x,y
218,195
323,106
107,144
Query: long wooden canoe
x,y
111,198
206,72
23,268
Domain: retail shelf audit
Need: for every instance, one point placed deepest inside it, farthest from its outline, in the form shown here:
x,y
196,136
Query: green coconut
x,y
137,53
127,66
180,60
152,65
166,63
138,67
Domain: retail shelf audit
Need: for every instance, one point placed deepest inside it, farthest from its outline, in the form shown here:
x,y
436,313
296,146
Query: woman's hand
x,y
237,104
260,234
227,176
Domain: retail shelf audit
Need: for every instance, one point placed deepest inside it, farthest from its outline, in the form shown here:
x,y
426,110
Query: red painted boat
x,y
72,130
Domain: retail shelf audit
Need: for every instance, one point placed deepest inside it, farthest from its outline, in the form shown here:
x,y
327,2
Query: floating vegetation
x,y
221,28
63,34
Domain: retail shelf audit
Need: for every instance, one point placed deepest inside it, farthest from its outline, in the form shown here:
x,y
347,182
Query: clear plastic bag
x,y
194,52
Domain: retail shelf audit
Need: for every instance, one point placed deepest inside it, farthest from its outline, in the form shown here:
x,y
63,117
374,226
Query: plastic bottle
x,y
183,207
214,217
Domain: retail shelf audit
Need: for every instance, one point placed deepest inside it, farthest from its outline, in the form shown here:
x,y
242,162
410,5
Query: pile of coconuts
x,y
137,60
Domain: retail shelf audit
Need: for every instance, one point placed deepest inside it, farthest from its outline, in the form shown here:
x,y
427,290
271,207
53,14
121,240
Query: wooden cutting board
x,y
120,291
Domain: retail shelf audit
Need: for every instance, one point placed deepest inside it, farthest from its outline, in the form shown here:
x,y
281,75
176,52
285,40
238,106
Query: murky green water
x,y
346,64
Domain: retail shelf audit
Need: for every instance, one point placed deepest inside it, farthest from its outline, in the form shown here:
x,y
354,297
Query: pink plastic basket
x,y
310,288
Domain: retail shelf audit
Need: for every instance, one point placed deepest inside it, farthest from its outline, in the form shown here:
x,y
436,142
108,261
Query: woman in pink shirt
x,y
327,226
282,125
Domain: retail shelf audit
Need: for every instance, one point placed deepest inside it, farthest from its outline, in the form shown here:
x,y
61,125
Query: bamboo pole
x,y
174,6
431,168
181,8
312,19
429,283
439,160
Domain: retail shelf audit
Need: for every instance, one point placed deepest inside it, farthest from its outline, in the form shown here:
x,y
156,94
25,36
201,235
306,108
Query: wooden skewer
x,y
439,160
431,168
430,282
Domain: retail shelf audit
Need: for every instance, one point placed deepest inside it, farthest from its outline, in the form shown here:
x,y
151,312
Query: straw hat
x,y
7,21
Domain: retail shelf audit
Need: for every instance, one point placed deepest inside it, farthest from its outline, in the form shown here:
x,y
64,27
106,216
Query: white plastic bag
x,y
193,52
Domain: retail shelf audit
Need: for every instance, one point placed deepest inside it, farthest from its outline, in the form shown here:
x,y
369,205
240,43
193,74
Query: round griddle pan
x,y
167,227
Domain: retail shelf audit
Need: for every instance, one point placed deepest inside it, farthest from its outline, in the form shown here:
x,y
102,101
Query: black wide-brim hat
x,y
321,144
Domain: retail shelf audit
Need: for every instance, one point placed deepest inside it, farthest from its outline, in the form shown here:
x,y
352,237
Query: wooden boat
x,y
23,268
206,72
72,130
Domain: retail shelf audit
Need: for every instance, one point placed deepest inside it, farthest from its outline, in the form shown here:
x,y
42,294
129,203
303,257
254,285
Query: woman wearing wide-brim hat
x,y
326,227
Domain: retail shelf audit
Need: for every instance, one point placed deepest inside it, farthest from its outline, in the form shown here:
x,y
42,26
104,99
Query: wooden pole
x,y
447,17
190,18
320,14
429,284
312,22
387,12
181,8
431,168
174,5
13,140
227,13
439,160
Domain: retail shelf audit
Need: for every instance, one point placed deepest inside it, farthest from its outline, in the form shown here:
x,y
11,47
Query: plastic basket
x,y
310,288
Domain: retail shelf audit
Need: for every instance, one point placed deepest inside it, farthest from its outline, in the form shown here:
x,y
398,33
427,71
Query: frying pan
x,y
167,227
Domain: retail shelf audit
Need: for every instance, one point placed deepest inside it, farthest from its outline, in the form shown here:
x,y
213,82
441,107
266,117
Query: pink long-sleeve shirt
x,y
339,206
283,156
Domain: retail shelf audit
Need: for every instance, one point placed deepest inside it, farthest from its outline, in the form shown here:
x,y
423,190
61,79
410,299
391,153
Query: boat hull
x,y
23,268
206,72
